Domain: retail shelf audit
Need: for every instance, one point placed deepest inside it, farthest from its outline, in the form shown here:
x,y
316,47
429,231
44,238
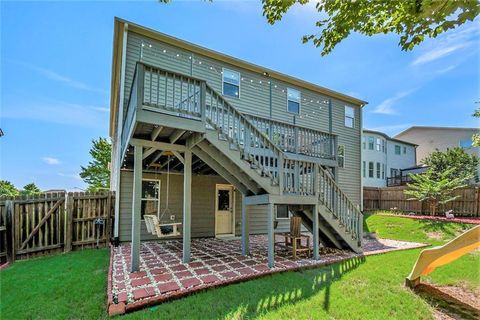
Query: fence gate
x,y
38,223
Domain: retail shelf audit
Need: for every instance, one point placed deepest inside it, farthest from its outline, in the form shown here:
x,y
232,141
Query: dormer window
x,y
293,101
231,83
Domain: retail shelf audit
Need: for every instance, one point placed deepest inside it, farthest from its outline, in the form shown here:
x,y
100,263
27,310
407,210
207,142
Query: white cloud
x,y
51,160
386,106
55,76
438,53
57,112
101,109
447,69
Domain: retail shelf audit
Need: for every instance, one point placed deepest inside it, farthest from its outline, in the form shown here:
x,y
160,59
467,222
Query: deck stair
x,y
249,159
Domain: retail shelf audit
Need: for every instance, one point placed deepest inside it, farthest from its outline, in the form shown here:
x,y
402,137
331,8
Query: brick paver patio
x,y
214,262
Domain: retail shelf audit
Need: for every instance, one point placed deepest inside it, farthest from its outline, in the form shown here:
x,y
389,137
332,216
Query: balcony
x,y
173,94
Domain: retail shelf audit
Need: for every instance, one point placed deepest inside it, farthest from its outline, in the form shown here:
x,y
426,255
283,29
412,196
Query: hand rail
x,y
296,139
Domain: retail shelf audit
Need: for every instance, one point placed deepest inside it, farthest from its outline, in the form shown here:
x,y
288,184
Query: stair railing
x,y
342,208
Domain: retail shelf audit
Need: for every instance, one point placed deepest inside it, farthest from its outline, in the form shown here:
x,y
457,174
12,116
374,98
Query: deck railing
x,y
295,139
264,143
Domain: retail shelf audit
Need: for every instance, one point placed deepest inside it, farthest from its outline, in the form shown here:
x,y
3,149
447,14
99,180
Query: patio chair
x,y
294,238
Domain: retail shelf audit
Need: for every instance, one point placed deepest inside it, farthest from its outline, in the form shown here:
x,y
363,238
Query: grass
x,y
73,285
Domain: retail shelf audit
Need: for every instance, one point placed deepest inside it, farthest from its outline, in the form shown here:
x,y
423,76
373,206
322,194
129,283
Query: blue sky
x,y
56,65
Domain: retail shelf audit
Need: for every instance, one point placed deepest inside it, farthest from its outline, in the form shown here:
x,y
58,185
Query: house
x,y
430,139
221,147
384,158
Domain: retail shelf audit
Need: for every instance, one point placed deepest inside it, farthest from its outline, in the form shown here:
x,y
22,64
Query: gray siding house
x,y
228,148
384,159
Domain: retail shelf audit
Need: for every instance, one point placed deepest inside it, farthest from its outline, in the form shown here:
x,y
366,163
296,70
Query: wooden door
x,y
224,215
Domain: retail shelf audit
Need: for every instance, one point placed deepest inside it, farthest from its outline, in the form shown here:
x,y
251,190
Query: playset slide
x,y
432,258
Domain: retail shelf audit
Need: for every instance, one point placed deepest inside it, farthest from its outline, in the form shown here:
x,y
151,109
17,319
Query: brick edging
x,y
113,308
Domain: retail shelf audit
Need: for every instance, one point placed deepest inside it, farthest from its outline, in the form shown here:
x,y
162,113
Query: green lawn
x,y
73,285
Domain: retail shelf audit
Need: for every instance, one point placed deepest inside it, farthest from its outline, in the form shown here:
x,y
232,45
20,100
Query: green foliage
x,y
412,20
476,137
97,173
463,165
8,189
434,187
30,189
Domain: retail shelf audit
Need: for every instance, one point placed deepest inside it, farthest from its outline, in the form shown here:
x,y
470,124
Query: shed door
x,y
224,209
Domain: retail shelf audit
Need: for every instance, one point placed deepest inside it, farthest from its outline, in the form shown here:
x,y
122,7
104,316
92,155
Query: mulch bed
x,y
469,220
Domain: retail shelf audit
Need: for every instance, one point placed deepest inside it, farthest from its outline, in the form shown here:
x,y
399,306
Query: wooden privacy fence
x,y
54,222
468,204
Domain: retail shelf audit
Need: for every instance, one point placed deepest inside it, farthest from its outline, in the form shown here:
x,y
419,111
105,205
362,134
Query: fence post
x,y
68,221
108,218
477,202
10,230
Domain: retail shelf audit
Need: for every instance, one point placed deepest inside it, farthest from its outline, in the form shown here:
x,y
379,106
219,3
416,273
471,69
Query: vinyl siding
x,y
203,206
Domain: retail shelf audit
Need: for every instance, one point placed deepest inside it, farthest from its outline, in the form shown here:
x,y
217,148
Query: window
x,y
404,150
341,156
383,146
378,170
231,83
150,197
466,143
379,144
383,170
371,142
398,150
293,101
364,169
281,212
370,169
364,142
349,117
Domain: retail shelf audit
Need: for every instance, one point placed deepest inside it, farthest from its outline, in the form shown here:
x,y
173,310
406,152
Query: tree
x,y
97,173
462,165
7,189
30,189
412,20
434,187
476,137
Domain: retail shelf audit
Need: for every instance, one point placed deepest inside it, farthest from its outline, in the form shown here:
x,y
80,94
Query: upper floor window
x,y
404,150
150,203
371,143
398,149
293,101
383,146
281,212
378,144
231,83
341,156
364,142
370,169
378,170
349,117
466,143
364,169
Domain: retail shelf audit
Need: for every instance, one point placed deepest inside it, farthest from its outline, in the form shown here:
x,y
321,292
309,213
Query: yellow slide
x,y
430,259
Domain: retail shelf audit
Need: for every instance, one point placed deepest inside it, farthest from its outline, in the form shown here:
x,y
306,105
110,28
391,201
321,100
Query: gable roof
x,y
117,57
388,137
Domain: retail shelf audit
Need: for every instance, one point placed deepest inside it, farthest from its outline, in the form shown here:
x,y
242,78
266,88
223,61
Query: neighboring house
x,y
384,158
430,139
226,147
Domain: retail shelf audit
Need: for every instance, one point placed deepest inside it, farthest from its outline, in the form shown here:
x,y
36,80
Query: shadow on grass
x,y
255,297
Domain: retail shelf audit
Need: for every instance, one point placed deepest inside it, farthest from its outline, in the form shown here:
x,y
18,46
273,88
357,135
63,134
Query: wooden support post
x,y
316,239
10,229
136,208
245,229
271,235
187,205
69,198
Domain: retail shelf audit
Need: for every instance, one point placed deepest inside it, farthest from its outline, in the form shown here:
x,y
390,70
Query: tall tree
x,y
434,187
463,165
412,20
7,189
97,173
30,189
